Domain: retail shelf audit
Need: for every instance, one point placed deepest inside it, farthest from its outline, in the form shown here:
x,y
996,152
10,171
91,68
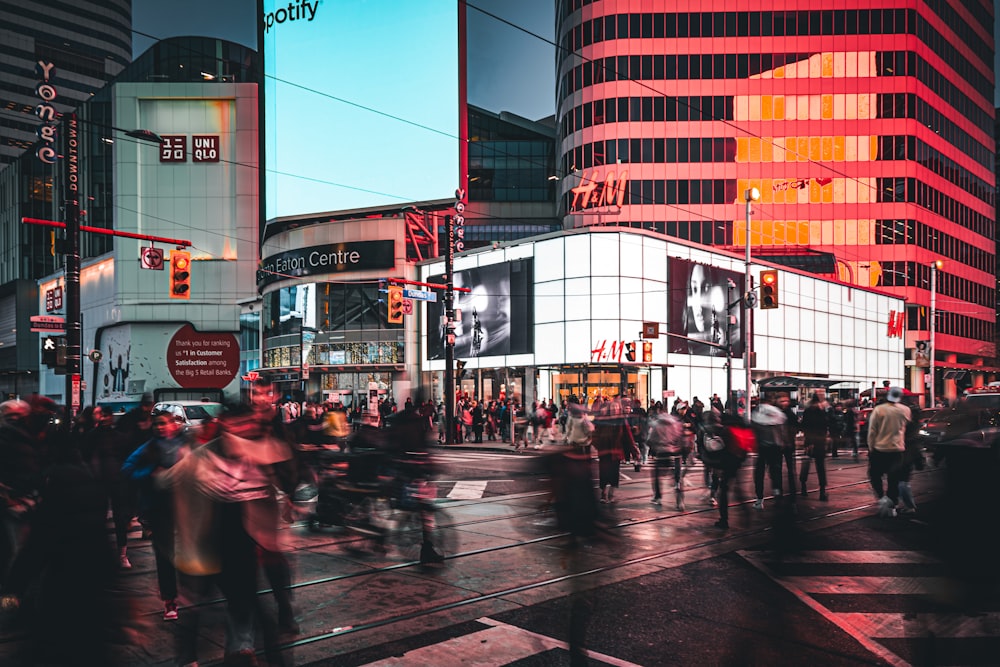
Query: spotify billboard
x,y
360,103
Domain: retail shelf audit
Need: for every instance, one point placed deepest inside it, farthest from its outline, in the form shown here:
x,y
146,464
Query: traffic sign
x,y
407,307
47,323
151,258
420,295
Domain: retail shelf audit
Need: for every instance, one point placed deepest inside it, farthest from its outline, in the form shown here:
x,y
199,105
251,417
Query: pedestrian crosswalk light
x,y
395,304
180,274
647,351
768,289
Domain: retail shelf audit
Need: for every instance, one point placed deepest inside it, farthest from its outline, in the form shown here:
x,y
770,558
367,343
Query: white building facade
x,y
572,328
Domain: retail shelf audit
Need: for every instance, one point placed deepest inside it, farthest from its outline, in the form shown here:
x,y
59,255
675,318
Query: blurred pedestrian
x,y
886,445
156,506
611,438
768,422
667,444
815,428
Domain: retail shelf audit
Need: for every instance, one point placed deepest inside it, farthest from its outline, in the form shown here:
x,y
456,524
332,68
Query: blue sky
x,y
506,75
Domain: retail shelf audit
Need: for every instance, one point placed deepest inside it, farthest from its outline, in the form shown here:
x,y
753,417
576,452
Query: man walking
x,y
886,444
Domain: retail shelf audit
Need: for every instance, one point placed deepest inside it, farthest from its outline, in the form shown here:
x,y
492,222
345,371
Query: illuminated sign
x,y
332,258
593,193
896,322
341,107
46,112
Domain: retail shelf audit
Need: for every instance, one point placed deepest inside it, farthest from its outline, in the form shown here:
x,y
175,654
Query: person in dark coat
x,y
815,428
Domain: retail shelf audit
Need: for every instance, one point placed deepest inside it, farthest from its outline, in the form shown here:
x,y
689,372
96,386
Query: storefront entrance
x,y
599,381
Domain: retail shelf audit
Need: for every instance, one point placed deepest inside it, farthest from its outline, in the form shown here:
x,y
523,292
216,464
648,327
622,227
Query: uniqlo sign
x,y
205,148
173,148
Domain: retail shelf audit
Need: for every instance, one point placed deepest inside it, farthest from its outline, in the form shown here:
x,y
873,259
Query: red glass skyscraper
x,y
867,127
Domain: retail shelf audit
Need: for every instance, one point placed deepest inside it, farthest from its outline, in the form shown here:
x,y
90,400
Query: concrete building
x,y
200,185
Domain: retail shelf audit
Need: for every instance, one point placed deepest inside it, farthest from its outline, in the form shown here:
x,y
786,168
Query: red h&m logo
x,y
895,324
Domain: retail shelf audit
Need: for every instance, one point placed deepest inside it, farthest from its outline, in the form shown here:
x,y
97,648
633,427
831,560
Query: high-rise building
x,y
90,41
868,132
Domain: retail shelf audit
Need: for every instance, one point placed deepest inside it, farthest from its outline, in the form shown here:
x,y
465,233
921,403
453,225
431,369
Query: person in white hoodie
x,y
768,423
886,444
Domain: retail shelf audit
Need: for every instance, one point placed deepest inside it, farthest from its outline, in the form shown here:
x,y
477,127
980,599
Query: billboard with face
x,y
497,314
699,300
360,104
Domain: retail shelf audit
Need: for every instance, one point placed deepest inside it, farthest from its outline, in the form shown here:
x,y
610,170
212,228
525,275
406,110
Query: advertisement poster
x,y
699,300
496,315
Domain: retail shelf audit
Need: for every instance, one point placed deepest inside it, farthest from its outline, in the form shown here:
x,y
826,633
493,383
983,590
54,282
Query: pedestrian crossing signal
x,y
395,304
768,289
180,274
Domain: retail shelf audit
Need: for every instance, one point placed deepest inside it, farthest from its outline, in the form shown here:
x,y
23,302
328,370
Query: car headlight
x,y
923,432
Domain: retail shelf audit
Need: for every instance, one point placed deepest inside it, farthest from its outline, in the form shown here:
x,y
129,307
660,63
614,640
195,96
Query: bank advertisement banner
x,y
700,297
496,315
136,359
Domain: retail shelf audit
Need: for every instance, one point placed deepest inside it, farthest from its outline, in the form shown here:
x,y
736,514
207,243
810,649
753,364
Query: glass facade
x,y
869,133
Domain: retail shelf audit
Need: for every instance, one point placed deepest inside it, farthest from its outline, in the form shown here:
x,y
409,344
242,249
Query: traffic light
x,y
459,370
50,346
394,303
768,289
180,274
629,351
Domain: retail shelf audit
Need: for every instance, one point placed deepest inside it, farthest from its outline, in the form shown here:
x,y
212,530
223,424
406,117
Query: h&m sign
x,y
896,324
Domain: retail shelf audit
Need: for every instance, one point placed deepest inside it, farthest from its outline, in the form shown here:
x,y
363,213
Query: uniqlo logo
x,y
173,148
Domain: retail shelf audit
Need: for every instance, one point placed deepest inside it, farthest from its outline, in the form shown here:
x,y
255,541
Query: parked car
x,y
191,413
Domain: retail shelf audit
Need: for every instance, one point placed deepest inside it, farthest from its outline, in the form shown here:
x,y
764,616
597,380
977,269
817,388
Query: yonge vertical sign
x,y
47,113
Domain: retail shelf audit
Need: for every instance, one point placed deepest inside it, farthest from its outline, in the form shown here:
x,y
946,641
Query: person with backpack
x,y
724,455
666,440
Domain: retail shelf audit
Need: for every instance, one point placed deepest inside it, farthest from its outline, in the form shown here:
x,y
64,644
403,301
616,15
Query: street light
x,y
935,265
750,196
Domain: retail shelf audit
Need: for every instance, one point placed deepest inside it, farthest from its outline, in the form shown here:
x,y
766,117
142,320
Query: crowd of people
x,y
789,444
207,499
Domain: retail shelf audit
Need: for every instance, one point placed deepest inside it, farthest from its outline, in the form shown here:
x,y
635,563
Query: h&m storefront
x,y
324,321
564,314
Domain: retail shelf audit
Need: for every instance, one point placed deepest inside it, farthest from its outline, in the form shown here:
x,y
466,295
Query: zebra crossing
x,y
900,605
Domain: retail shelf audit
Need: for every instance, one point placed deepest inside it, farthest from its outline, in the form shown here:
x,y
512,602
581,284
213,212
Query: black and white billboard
x,y
496,315
700,297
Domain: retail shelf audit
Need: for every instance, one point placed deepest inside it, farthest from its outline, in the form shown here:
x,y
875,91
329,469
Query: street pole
x,y
751,195
449,343
729,352
935,265
71,203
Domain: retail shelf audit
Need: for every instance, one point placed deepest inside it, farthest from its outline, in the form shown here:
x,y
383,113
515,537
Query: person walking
x,y
667,442
156,506
792,429
768,423
815,427
886,445
611,437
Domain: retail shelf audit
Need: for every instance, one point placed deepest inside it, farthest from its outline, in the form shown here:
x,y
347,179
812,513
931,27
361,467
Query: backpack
x,y
714,443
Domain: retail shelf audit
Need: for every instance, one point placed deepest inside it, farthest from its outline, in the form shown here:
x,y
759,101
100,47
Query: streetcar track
x,y
449,606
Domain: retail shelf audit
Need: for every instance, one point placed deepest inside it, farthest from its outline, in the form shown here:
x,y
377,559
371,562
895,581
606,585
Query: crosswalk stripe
x,y
500,644
862,585
848,556
821,593
942,626
467,490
